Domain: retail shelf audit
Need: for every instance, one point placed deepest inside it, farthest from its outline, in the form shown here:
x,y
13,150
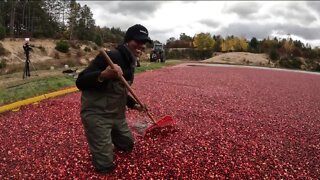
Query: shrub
x,y
98,40
173,54
42,49
189,54
290,63
312,65
3,63
274,55
297,52
317,67
87,49
200,54
62,46
296,63
311,54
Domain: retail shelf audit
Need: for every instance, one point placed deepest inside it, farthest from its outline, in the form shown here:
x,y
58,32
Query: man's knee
x,y
124,143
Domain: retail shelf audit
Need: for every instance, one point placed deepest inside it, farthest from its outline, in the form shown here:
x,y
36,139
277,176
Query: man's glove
x,y
110,73
140,108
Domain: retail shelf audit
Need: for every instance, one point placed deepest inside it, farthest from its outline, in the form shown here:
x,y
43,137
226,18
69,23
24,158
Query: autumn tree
x,y
242,44
232,43
288,45
268,44
203,41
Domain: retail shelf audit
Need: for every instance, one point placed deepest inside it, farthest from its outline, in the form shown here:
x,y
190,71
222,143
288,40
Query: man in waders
x,y
104,99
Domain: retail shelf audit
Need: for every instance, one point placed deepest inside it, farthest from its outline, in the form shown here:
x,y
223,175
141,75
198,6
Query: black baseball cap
x,y
137,32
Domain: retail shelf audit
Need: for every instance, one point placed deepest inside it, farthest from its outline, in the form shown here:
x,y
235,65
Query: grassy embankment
x,y
23,89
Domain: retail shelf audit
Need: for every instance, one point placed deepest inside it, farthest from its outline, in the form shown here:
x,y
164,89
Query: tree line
x,y
58,19
68,20
276,48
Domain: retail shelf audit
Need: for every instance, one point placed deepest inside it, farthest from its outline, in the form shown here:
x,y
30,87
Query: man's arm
x,y
97,74
88,78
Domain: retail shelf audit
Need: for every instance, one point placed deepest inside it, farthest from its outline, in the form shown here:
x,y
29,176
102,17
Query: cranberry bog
x,y
231,123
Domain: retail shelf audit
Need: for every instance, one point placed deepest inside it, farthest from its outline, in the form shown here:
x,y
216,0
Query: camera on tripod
x,y
27,48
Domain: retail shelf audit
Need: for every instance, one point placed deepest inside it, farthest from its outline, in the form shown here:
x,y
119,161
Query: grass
x,y
33,88
145,66
41,85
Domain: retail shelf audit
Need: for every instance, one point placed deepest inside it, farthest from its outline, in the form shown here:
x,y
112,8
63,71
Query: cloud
x,y
249,30
304,32
122,13
243,9
249,19
315,5
294,13
210,23
161,35
139,9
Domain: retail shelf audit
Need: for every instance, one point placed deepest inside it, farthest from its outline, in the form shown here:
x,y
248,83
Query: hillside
x,y
240,58
16,53
44,55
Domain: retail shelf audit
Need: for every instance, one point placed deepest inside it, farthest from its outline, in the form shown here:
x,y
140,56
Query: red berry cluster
x,y
231,123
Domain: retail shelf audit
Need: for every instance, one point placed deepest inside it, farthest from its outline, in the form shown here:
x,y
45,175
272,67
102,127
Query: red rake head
x,y
166,121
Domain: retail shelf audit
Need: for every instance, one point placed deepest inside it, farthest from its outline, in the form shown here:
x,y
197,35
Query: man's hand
x,y
110,73
140,108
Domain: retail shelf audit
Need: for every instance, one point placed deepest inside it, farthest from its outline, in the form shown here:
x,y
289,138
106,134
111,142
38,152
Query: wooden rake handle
x,y
110,63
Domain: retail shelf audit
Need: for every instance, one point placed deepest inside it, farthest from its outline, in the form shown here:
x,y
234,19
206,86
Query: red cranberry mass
x,y
231,123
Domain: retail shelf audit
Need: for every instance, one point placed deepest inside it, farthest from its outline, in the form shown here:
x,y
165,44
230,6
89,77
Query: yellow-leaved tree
x,y
203,41
234,44
288,45
243,44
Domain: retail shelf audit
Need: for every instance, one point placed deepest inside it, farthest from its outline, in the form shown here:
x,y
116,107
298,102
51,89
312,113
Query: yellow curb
x,y
16,105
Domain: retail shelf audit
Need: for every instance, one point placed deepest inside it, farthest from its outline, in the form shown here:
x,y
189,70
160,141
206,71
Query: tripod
x,y
26,70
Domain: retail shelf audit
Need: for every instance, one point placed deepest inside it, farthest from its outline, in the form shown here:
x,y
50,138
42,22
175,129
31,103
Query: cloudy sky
x,y
165,19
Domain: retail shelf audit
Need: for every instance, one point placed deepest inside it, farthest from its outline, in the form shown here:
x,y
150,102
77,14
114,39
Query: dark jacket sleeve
x,y
88,78
130,102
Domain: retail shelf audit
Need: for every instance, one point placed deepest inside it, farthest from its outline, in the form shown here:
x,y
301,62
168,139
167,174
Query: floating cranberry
x,y
237,123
